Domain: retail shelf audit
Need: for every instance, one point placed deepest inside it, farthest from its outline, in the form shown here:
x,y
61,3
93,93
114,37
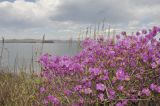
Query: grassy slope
x,y
17,90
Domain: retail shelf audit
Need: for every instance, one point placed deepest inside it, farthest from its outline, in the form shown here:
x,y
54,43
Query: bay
x,y
24,56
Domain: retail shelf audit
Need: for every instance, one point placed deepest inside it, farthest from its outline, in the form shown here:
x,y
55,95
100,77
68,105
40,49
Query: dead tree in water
x,y
43,41
2,48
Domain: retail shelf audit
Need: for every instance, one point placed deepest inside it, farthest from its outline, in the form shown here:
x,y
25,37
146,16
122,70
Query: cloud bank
x,y
62,18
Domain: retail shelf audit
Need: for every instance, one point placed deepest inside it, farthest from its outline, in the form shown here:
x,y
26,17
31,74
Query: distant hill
x,y
26,41
34,41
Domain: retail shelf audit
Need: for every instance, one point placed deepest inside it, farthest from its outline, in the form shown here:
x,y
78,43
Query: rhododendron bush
x,y
118,72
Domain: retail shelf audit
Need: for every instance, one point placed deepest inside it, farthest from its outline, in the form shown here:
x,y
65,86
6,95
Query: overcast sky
x,y
61,19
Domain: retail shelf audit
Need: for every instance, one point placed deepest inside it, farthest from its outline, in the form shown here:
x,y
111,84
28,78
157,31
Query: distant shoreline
x,y
34,41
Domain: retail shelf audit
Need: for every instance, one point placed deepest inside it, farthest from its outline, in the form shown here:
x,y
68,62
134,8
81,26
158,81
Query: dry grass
x,y
17,90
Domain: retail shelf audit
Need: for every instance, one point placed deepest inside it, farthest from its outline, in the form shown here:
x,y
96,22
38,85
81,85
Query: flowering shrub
x,y
119,72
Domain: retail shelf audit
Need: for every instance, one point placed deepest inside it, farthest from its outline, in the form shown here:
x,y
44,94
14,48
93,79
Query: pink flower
x,y
119,104
81,100
124,102
94,71
106,75
100,87
45,102
153,87
154,65
127,77
111,93
146,91
42,90
139,76
130,58
87,91
77,87
101,96
120,74
120,88
139,93
158,89
53,99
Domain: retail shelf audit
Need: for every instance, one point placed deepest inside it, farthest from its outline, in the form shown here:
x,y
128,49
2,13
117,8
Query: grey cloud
x,y
7,0
145,2
15,0
114,11
91,11
11,20
71,14
30,0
